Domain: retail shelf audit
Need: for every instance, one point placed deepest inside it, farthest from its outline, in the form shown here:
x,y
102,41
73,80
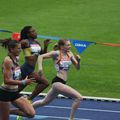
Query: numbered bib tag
x,y
65,64
35,48
17,73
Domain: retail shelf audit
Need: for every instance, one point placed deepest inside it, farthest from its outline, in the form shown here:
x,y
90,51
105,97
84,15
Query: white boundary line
x,y
38,117
102,98
84,97
84,109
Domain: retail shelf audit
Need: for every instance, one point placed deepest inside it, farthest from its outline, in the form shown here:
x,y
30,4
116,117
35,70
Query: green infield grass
x,y
91,20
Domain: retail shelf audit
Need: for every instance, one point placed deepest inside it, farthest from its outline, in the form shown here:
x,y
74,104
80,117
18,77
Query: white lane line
x,y
38,117
87,109
64,118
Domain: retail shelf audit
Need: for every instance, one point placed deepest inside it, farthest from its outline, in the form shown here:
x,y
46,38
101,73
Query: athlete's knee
x,y
79,97
30,113
55,86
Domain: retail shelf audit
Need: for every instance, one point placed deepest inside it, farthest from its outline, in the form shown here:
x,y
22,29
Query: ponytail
x,y
8,43
4,42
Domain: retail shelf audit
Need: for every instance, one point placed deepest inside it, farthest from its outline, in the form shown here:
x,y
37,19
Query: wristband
x,y
24,82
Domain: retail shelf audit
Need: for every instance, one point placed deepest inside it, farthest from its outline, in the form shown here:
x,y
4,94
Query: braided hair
x,y
24,32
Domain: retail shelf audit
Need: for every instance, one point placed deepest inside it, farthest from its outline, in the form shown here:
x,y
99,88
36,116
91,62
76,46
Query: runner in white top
x,y
11,80
63,58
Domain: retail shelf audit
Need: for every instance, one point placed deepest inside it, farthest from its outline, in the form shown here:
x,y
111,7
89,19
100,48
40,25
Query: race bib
x,y
35,48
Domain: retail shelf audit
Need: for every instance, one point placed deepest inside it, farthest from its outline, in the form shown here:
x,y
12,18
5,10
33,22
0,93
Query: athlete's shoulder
x,y
24,43
55,53
37,41
7,61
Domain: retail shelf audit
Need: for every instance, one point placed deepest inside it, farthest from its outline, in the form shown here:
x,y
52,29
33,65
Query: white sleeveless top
x,y
15,75
63,63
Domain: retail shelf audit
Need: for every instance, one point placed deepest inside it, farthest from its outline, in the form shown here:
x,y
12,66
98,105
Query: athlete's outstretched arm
x,y
44,56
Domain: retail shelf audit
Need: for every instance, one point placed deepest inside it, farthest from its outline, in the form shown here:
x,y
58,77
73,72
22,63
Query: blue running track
x,y
60,108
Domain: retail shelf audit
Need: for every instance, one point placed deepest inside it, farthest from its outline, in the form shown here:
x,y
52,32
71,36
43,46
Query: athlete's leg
x,y
52,94
70,92
4,110
42,83
24,108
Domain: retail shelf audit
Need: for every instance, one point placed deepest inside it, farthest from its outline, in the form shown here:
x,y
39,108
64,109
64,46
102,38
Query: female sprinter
x,y
62,58
32,48
9,89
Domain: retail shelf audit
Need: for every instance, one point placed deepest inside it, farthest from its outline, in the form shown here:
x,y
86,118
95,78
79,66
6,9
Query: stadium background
x,y
77,19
